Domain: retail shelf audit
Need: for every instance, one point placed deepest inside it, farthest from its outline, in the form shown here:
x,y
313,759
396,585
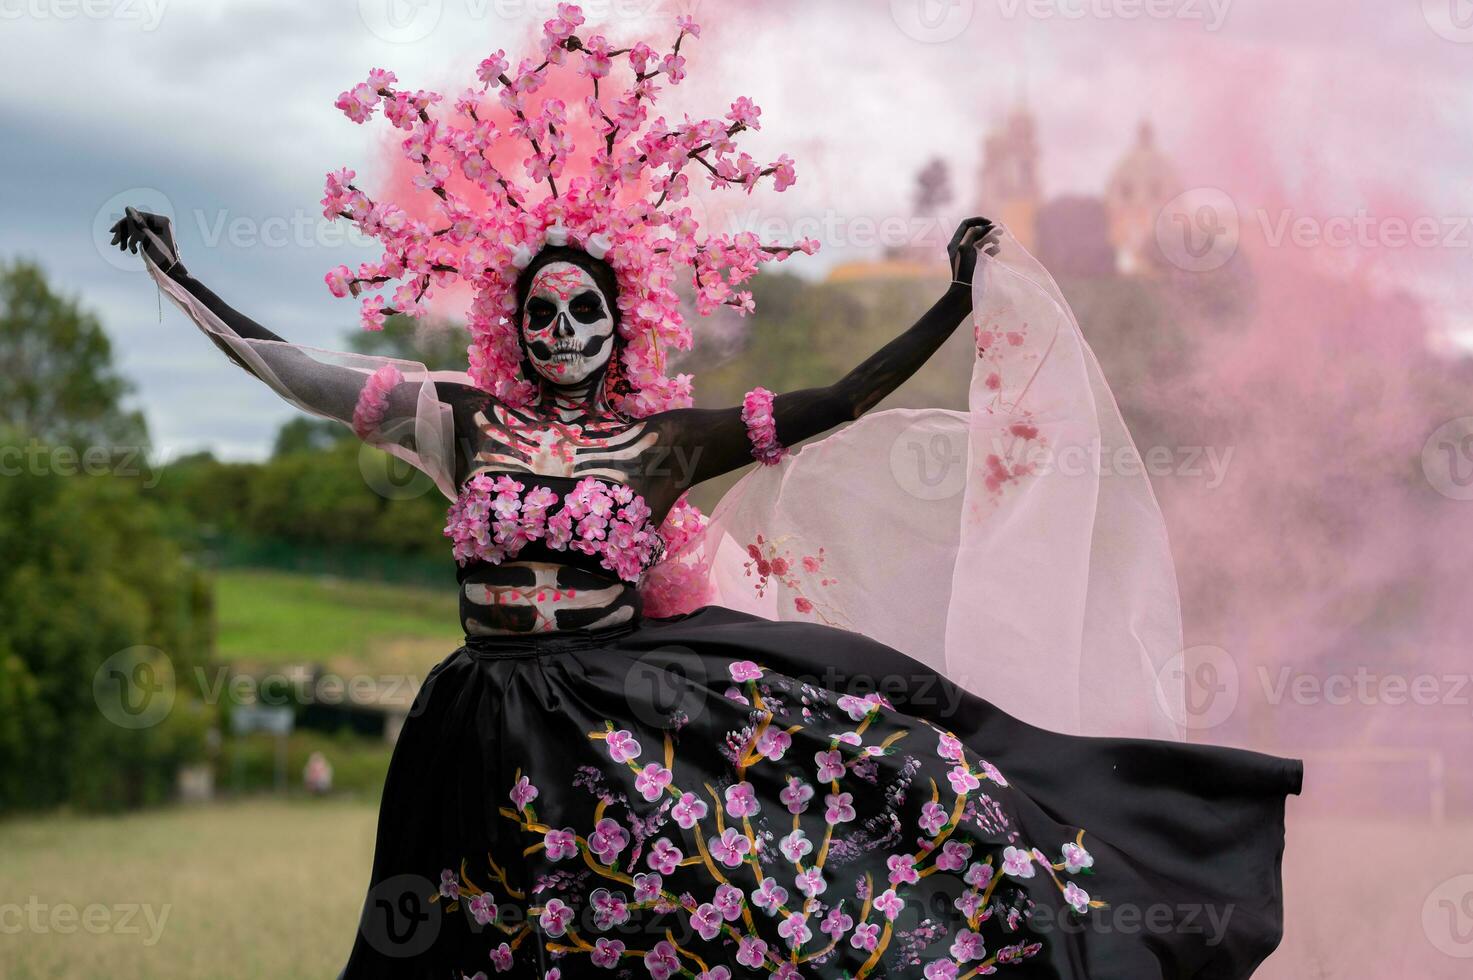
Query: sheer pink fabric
x,y
989,544
409,419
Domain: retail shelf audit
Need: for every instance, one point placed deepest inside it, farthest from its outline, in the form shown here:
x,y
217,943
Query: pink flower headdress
x,y
620,201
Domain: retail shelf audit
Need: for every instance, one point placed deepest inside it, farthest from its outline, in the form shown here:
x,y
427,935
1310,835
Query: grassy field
x,y
271,890
277,617
259,889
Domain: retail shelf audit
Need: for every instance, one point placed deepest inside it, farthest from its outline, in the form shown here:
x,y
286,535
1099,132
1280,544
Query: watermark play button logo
x,y
1447,917
932,21
134,688
400,21
399,920
1198,688
1198,230
1450,19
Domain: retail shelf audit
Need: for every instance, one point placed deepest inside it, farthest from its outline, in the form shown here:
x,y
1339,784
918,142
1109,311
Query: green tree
x,y
91,570
57,380
438,345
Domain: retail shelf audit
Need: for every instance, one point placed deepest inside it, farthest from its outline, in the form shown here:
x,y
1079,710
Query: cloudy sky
x,y
221,113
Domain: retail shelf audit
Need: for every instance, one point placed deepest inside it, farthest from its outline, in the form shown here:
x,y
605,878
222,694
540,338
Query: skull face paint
x,y
567,326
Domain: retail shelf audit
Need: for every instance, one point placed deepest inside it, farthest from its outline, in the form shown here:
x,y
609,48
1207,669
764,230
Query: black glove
x,y
152,232
972,234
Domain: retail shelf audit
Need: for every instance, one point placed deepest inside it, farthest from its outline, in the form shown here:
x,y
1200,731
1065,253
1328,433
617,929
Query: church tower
x,y
1008,183
1143,183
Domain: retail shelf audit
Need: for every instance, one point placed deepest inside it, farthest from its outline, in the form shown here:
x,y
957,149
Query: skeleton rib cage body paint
x,y
571,432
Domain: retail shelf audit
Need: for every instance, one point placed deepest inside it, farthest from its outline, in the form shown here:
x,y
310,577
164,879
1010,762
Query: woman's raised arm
x,y
395,405
717,440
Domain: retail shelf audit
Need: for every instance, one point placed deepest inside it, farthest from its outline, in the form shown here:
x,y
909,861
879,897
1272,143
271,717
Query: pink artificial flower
x,y
337,280
489,217
373,400
761,427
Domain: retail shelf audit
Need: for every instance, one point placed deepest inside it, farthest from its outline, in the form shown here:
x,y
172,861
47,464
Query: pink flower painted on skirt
x,y
560,844
664,857
523,793
622,746
652,780
731,848
608,840
689,810
745,670
606,953
741,800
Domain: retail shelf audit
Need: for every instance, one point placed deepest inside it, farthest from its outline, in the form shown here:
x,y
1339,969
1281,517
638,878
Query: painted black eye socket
x,y
540,312
587,307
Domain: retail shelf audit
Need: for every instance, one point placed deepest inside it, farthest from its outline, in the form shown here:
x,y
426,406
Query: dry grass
x,y
260,889
271,890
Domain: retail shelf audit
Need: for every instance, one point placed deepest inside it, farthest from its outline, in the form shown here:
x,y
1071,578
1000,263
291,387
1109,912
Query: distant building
x,y
1073,235
1007,183
1143,183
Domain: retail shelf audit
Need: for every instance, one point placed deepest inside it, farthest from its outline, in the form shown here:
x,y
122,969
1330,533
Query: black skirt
x,y
720,796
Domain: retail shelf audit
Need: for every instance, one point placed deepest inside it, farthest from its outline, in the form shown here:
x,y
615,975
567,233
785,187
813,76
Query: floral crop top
x,y
494,518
